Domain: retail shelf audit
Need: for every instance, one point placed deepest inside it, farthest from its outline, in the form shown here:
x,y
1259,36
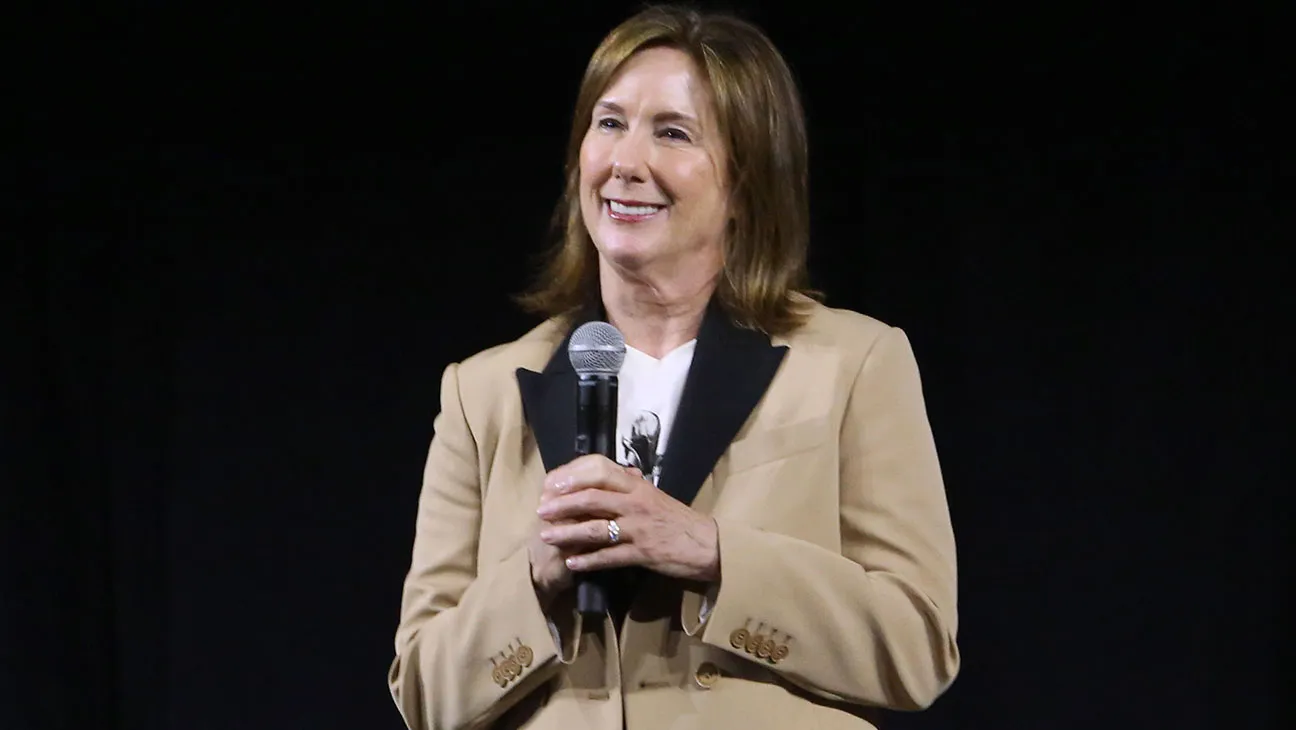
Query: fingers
x,y
580,536
583,505
592,471
614,556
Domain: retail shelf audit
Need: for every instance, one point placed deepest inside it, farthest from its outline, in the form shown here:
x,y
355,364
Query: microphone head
x,y
596,348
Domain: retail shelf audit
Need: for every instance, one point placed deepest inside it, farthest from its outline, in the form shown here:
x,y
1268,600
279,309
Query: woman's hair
x,y
758,109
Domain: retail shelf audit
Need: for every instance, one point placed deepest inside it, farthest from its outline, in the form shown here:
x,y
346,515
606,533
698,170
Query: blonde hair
x,y
764,285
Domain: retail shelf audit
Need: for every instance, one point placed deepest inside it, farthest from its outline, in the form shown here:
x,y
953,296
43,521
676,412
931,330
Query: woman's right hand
x,y
549,572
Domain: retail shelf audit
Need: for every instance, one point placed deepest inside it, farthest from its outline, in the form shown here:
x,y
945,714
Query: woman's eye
x,y
608,123
675,134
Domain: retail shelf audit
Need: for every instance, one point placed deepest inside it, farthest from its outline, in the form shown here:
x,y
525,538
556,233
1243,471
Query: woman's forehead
x,y
658,80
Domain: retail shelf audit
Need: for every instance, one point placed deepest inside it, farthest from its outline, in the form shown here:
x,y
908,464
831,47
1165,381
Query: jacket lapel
x,y
549,407
732,368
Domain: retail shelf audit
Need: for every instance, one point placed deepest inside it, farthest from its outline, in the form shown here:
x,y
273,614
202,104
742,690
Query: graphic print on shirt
x,y
639,448
648,398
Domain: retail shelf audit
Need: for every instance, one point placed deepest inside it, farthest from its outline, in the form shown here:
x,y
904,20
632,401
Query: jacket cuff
x,y
738,598
697,603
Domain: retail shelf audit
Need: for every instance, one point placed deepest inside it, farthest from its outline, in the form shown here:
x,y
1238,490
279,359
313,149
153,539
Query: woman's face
x,y
651,182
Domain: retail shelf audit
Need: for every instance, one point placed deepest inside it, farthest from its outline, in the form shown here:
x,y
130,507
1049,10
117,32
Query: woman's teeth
x,y
636,210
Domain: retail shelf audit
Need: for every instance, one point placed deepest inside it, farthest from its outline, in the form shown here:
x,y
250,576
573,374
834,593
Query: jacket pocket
x,y
780,442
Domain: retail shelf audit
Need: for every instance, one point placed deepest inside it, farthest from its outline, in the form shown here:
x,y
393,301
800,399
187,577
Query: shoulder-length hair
x,y
758,109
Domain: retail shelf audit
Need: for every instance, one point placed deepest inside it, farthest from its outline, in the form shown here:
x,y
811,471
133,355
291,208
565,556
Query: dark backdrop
x,y
248,243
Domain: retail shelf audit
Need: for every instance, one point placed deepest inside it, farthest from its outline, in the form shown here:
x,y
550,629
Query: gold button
x,y
779,654
706,675
738,639
511,668
524,655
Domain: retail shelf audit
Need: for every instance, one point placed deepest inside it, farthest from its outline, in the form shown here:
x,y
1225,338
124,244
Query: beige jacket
x,y
814,455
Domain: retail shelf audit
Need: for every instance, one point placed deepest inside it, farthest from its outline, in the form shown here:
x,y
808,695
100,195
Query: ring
x,y
614,532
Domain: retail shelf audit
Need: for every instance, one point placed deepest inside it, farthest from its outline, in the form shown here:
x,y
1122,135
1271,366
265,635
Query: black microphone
x,y
596,351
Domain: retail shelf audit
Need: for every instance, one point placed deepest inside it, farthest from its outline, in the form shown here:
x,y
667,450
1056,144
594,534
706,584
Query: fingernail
x,y
546,535
573,563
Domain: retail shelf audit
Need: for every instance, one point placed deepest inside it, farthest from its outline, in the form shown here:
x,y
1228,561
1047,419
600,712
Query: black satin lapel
x,y
549,405
732,368
549,401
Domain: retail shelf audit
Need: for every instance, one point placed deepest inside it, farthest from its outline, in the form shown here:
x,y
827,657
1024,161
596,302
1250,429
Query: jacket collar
x,y
732,369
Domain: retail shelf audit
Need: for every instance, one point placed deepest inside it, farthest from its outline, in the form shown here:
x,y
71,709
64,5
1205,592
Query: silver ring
x,y
614,532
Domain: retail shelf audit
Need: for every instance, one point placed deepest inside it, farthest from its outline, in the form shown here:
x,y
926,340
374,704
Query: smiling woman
x,y
773,529
652,182
675,103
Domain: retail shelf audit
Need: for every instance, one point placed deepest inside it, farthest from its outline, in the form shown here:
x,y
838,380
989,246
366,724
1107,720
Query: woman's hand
x,y
549,573
656,531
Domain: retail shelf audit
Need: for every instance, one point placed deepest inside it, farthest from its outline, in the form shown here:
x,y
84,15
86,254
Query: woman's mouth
x,y
631,211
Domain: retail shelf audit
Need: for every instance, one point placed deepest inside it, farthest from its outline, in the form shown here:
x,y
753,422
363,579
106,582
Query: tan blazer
x,y
838,579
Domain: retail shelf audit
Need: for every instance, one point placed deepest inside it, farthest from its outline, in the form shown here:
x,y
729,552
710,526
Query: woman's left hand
x,y
656,531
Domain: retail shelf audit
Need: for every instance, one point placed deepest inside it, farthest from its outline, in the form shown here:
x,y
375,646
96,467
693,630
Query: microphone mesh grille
x,y
597,348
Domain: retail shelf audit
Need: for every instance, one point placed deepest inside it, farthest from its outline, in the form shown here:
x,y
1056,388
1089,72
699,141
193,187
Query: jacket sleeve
x,y
875,624
472,639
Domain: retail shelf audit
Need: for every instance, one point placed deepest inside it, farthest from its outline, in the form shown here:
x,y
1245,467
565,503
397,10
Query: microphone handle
x,y
596,419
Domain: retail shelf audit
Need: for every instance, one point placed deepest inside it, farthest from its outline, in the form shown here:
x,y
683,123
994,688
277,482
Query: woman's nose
x,y
628,160
625,173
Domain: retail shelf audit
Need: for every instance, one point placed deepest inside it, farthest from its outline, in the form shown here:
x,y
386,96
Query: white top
x,y
648,396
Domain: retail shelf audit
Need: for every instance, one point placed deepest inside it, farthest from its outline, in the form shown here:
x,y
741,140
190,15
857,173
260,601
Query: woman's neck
x,y
656,316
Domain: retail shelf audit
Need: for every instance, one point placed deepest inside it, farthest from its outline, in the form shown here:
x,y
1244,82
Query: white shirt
x,y
648,397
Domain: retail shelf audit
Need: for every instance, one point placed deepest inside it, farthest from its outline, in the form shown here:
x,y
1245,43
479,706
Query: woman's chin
x,y
626,252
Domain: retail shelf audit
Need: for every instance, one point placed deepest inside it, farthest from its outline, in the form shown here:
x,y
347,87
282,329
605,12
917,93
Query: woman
x,y
777,526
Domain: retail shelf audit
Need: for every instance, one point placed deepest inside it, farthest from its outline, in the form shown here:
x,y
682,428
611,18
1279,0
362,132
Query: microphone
x,y
596,351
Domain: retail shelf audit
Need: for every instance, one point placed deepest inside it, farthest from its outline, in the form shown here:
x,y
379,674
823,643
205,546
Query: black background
x,y
246,242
